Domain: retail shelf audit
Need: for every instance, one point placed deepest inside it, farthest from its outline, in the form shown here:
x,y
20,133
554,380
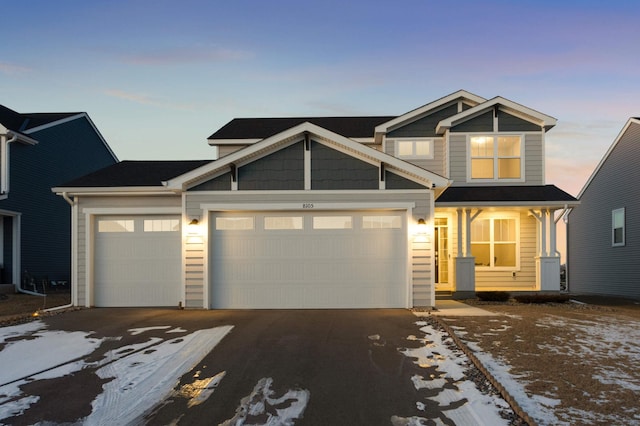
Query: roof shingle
x,y
487,194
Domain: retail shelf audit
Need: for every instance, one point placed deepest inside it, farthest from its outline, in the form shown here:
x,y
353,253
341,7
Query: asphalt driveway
x,y
319,367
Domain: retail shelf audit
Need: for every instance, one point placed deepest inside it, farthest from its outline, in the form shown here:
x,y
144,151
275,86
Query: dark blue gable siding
x,y
426,126
331,169
63,152
393,181
282,170
220,183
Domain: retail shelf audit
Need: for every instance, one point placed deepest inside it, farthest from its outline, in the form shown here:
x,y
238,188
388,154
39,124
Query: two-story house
x,y
327,212
37,151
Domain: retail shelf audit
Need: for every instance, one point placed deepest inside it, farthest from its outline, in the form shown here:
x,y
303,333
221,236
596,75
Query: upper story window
x,y
495,157
617,227
414,148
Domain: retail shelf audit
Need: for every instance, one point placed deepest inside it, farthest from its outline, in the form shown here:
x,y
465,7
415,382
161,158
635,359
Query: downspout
x,y
71,280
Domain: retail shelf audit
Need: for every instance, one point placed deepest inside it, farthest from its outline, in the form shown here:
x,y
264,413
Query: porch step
x,y
444,295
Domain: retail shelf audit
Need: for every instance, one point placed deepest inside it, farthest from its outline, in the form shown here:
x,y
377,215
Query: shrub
x,y
493,296
542,298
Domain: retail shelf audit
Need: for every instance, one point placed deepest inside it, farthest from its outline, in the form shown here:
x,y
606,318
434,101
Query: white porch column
x,y
547,260
465,268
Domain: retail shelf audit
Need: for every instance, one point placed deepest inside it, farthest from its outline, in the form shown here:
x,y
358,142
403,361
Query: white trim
x,y
423,110
306,206
307,167
496,178
120,190
613,227
131,210
630,121
414,141
543,120
247,141
294,134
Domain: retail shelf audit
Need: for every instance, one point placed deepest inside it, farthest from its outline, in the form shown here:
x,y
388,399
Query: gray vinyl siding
x,y
331,169
510,123
83,228
594,265
220,183
481,123
283,169
425,126
421,256
224,150
533,157
64,152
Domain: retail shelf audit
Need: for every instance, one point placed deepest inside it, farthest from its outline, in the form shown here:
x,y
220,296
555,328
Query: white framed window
x,y
332,222
235,223
382,222
283,222
116,225
495,157
617,228
495,242
161,225
417,148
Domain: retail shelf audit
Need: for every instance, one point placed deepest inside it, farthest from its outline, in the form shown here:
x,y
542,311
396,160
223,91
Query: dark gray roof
x,y
260,128
135,173
18,122
487,194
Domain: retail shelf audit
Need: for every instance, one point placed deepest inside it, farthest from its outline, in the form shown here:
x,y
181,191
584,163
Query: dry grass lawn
x,y
584,358
14,307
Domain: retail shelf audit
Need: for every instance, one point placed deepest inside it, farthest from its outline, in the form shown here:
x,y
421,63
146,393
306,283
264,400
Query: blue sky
x,y
158,77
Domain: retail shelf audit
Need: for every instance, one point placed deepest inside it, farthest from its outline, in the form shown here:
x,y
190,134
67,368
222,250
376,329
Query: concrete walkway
x,y
446,307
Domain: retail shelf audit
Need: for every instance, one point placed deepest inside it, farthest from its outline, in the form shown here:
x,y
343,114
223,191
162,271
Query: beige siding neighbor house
x,y
327,212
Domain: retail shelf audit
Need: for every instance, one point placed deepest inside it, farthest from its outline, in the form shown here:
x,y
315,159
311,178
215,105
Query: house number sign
x,y
307,205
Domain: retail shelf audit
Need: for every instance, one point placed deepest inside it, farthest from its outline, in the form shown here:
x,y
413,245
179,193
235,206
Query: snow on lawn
x,y
459,399
142,374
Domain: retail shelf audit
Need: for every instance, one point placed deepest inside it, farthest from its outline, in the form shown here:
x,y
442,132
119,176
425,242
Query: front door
x,y
441,250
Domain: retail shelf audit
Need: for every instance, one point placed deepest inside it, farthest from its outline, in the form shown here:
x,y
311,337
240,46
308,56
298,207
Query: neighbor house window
x,y
617,227
495,157
414,148
495,242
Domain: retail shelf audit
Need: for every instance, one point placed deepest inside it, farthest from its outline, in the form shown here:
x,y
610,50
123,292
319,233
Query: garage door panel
x,y
138,267
309,268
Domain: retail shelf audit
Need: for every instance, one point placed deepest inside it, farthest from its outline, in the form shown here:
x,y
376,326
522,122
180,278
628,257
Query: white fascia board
x,y
22,138
294,133
384,127
3,130
125,190
505,204
251,141
522,111
629,122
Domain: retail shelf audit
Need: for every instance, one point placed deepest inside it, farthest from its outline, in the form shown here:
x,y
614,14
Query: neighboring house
x,y
328,212
603,235
38,151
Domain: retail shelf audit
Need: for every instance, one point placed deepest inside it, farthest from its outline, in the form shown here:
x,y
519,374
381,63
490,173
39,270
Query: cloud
x,y
11,69
186,55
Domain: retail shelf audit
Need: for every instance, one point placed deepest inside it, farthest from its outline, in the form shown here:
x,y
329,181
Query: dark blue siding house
x,y
39,151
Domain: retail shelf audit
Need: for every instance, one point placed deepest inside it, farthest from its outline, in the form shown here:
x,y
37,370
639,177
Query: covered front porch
x,y
499,245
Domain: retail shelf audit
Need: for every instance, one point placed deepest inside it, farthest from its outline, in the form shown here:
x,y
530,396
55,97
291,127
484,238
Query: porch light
x,y
193,222
193,227
422,227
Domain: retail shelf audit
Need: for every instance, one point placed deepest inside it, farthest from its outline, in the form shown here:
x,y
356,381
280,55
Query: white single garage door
x,y
137,261
294,260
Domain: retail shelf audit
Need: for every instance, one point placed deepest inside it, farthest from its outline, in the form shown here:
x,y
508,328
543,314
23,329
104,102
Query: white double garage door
x,y
263,260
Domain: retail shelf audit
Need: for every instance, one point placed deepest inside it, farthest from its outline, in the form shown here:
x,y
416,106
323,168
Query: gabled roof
x,y
22,123
460,95
251,130
630,121
515,195
270,144
133,174
514,108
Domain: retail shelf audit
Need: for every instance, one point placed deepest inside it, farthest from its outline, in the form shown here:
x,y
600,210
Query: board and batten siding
x,y
595,266
84,228
420,255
